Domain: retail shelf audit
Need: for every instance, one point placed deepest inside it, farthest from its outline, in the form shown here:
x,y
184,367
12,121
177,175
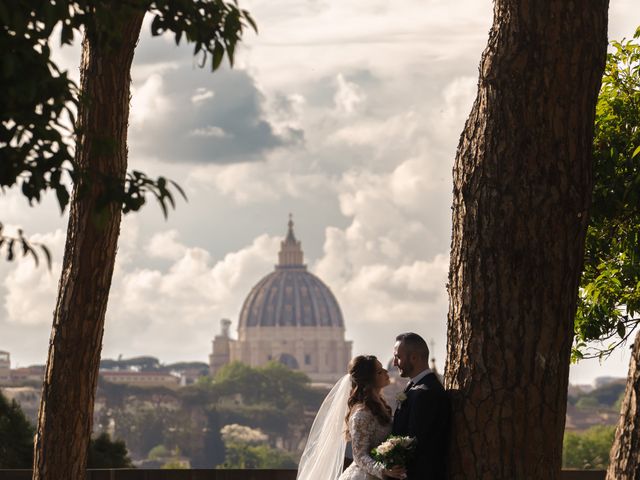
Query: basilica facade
x,y
289,316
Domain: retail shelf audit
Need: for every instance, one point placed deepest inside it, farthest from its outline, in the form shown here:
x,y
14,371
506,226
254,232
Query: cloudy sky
x,y
346,114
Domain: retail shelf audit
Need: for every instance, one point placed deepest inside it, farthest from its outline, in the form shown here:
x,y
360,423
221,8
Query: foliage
x,y
588,450
264,416
27,247
107,453
609,300
181,366
39,100
245,448
142,363
159,451
16,442
257,456
16,436
168,459
607,396
272,383
191,417
617,406
142,429
235,433
587,403
213,447
174,464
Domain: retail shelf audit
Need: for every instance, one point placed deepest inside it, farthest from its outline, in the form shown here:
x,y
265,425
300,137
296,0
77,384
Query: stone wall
x,y
139,474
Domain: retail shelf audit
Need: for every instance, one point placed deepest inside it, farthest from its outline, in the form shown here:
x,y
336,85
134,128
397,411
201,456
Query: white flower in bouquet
x,y
396,450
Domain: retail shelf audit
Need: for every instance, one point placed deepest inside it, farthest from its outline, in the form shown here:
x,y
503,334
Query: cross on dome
x,y
290,254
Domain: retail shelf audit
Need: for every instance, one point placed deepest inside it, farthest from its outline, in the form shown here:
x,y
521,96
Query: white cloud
x,y
257,183
148,101
348,95
30,290
165,311
347,113
368,131
201,94
209,131
166,245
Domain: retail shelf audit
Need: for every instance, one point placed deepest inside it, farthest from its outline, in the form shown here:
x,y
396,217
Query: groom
x,y
423,410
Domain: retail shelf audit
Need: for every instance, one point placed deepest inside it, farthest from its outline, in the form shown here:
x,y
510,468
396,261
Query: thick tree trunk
x,y
66,409
625,453
522,183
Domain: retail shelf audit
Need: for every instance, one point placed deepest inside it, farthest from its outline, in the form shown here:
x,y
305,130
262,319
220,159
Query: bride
x,y
353,410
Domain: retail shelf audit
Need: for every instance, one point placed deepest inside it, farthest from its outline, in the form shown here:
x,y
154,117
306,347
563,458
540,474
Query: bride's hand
x,y
396,472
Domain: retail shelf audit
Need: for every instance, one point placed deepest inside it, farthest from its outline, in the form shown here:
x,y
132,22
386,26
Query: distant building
x,y
221,354
189,376
5,367
141,379
34,373
289,316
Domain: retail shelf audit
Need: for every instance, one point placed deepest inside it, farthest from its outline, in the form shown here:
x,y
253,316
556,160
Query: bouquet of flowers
x,y
395,450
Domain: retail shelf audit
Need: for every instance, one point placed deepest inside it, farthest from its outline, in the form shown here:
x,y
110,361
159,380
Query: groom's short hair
x,y
414,343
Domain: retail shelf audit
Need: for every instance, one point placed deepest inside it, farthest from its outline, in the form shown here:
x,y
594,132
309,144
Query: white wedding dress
x,y
366,433
323,455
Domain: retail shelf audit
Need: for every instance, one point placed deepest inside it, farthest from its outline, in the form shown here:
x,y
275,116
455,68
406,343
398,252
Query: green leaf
x,y
635,152
251,21
66,34
47,255
63,197
156,26
620,328
180,190
10,254
218,53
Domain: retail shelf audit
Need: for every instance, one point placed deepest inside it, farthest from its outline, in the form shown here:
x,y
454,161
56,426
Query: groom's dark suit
x,y
425,414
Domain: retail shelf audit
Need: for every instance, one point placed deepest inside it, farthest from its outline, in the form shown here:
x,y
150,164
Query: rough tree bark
x,y
522,183
66,409
625,453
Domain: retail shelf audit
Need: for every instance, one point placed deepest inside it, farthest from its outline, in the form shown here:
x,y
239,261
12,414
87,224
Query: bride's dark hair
x,y
362,370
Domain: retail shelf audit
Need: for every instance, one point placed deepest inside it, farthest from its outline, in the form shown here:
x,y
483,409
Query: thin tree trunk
x,y
625,453
522,183
66,409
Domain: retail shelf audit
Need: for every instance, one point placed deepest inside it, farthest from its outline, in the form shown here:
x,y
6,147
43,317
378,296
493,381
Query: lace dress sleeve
x,y
362,426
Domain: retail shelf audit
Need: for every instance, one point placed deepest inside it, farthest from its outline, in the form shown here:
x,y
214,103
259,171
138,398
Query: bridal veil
x,y
323,455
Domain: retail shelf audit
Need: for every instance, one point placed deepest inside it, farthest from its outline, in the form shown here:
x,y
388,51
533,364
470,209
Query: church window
x,y
307,359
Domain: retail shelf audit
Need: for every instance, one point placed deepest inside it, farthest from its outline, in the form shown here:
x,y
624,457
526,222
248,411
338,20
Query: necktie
x,y
408,387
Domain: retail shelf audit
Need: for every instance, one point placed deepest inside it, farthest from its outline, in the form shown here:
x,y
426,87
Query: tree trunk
x,y
625,453
66,409
522,183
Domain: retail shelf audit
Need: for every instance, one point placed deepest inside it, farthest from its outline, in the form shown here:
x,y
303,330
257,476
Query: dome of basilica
x,y
290,316
290,296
